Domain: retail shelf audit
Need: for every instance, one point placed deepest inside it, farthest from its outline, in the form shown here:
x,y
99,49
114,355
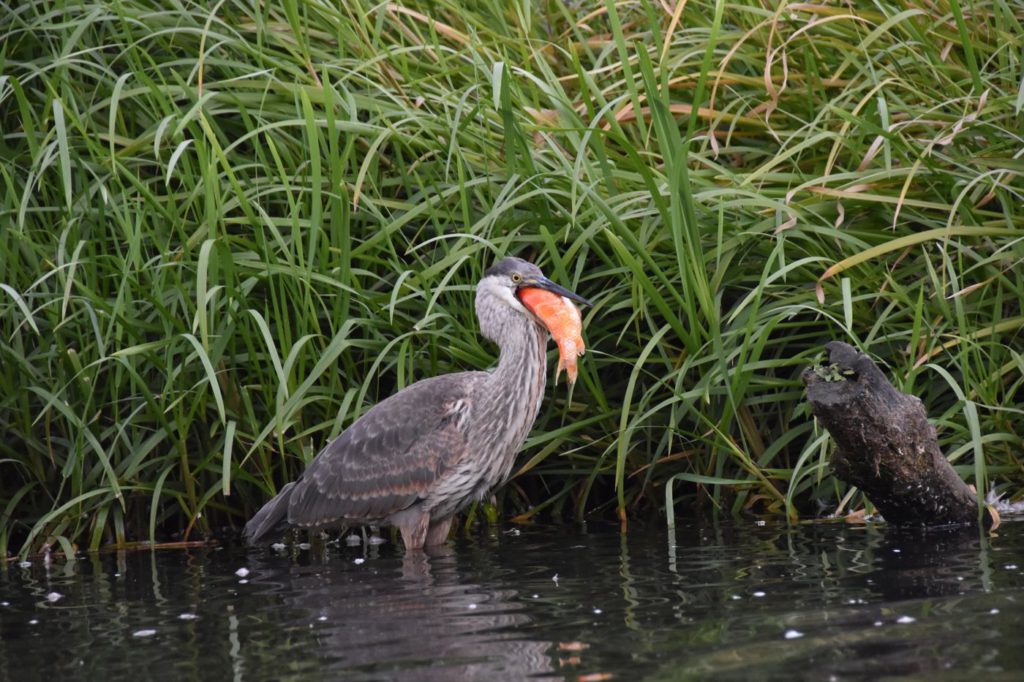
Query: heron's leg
x,y
412,524
437,533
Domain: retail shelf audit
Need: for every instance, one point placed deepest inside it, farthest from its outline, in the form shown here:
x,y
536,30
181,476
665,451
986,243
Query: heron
x,y
418,457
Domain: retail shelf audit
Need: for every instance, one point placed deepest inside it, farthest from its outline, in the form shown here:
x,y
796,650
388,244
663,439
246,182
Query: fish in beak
x,y
553,306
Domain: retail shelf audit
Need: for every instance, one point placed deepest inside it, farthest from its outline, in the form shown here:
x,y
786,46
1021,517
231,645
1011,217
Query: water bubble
x,y
143,633
25,564
994,611
304,545
187,616
54,596
377,540
33,622
322,618
472,606
759,594
793,634
242,572
358,560
279,547
905,619
598,611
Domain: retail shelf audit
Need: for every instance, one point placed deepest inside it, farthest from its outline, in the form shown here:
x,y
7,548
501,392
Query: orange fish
x,y
563,320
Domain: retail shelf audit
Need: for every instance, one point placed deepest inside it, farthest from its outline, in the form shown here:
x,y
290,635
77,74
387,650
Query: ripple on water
x,y
705,601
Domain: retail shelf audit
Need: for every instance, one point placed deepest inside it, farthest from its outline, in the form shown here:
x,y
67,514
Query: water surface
x,y
717,601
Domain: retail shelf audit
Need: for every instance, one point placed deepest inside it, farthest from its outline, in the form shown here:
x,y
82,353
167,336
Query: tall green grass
x,y
227,230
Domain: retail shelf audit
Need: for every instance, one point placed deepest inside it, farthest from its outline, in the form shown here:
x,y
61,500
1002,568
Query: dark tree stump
x,y
885,445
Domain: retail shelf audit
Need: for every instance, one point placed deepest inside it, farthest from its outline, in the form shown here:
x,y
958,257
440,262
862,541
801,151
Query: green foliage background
x,y
228,229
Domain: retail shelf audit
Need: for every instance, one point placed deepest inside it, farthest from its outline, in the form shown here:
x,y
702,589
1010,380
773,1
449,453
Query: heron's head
x,y
497,304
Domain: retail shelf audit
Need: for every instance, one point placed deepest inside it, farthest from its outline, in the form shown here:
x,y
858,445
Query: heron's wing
x,y
389,457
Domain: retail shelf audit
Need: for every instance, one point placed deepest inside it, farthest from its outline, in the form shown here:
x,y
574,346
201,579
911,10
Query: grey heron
x,y
420,456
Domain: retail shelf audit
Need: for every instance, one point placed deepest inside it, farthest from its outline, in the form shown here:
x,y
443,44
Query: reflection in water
x,y
892,603
421,621
917,563
716,601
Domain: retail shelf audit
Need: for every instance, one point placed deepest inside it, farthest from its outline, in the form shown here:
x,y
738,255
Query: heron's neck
x,y
522,361
510,400
517,384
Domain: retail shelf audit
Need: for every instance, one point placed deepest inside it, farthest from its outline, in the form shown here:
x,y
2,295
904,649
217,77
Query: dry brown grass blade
x,y
439,26
627,114
677,14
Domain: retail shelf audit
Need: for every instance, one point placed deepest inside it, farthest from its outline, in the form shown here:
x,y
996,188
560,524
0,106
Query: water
x,y
730,601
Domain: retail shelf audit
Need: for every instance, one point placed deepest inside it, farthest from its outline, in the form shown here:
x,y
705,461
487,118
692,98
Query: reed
x,y
227,230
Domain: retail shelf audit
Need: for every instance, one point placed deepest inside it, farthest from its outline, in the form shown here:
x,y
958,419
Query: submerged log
x,y
885,445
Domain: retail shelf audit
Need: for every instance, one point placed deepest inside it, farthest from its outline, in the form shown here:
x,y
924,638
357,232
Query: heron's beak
x,y
542,282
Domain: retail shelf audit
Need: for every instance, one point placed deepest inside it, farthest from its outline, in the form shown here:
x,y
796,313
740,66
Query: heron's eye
x,y
516,278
